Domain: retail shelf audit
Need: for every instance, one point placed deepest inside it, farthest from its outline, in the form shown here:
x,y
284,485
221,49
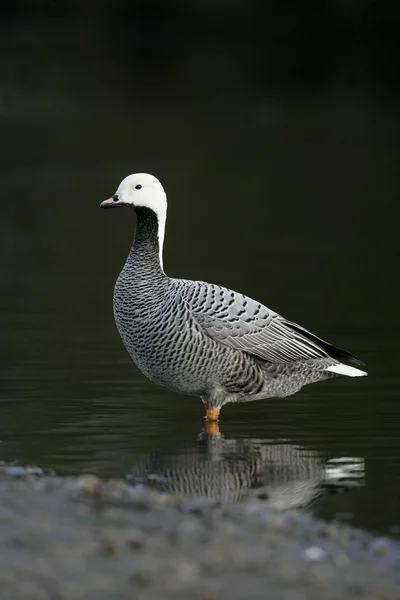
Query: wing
x,y
245,324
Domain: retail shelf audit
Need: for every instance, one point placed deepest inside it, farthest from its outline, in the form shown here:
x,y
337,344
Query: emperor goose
x,y
203,339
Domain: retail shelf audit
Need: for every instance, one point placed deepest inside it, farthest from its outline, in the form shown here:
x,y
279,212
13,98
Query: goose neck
x,y
146,250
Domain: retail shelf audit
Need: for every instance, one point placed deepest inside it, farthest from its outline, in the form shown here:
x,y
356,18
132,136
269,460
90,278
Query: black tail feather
x,y
336,353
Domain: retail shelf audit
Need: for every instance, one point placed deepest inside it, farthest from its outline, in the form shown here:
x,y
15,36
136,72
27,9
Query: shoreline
x,y
81,538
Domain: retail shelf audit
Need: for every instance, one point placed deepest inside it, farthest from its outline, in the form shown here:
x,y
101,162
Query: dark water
x,y
290,197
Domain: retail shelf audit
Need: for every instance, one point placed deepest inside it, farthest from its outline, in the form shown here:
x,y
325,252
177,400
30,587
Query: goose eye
x,y
138,187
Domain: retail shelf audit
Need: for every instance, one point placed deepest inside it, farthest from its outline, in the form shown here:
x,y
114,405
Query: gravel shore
x,y
84,539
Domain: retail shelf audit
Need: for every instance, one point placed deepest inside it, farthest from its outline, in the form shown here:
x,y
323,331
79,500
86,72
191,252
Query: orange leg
x,y
212,414
212,427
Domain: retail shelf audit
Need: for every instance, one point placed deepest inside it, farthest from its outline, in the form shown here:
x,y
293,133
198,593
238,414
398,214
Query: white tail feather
x,y
341,369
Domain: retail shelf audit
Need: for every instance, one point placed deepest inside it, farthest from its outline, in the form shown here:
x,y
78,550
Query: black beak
x,y
112,202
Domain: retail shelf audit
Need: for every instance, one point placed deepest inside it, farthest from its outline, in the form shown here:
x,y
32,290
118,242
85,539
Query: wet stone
x,y
89,484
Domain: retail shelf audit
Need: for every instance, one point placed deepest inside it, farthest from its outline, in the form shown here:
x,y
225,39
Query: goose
x,y
202,339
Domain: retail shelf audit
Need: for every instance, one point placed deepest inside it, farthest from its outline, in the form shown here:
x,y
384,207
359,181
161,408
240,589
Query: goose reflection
x,y
279,472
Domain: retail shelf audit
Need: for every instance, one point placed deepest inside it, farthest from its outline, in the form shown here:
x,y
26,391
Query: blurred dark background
x,y
274,127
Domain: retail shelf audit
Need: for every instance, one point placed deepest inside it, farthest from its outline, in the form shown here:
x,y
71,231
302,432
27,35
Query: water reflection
x,y
279,472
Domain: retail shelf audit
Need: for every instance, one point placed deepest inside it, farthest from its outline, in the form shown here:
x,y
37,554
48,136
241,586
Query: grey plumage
x,y
202,339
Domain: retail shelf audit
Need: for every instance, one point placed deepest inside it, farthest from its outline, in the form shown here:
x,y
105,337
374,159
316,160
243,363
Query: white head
x,y
142,190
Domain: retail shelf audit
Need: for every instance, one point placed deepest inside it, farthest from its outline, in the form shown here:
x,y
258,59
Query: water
x,y
288,197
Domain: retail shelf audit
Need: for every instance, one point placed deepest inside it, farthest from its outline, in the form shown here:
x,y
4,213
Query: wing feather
x,y
245,324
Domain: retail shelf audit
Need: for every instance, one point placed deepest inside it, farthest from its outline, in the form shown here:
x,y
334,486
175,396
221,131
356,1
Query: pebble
x,y
314,553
